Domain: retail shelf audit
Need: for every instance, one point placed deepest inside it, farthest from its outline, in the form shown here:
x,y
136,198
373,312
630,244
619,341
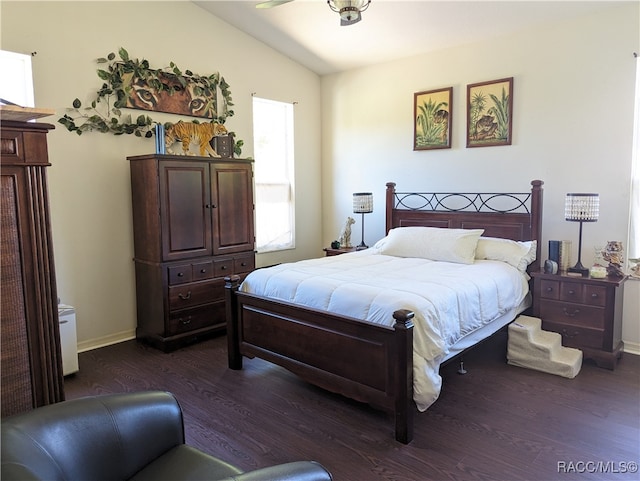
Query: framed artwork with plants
x,y
489,113
432,119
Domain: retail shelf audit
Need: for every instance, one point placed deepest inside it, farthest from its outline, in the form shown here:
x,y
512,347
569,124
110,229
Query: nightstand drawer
x,y
195,293
574,314
574,336
573,292
549,289
583,294
595,295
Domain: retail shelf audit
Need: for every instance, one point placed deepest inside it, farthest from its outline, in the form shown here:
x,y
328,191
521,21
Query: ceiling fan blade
x,y
272,3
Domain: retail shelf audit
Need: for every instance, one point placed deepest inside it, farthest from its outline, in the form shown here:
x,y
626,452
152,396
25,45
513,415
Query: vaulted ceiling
x,y
310,33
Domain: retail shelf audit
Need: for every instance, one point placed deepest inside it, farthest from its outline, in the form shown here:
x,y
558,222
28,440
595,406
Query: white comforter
x,y
449,300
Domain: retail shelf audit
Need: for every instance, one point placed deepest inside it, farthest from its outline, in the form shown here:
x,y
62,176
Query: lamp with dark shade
x,y
581,208
362,204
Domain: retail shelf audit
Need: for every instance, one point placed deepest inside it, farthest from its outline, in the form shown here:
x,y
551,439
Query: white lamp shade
x,y
362,203
580,207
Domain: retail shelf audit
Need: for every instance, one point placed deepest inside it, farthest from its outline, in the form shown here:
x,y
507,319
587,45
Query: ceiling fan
x,y
350,10
272,3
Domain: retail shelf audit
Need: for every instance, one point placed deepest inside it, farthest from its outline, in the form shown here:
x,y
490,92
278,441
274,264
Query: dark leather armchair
x,y
137,436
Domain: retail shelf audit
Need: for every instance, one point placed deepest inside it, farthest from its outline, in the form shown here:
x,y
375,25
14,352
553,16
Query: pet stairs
x,y
531,347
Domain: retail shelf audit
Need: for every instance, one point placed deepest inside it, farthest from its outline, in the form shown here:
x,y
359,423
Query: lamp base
x,y
579,269
362,246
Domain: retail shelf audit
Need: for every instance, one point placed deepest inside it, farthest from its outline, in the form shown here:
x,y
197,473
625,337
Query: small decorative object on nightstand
x,y
345,235
613,255
586,312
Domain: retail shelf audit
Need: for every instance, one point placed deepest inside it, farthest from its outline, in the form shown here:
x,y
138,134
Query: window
x,y
634,227
16,83
273,150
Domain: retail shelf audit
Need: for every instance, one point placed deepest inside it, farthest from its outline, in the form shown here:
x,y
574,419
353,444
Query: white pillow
x,y
517,254
435,243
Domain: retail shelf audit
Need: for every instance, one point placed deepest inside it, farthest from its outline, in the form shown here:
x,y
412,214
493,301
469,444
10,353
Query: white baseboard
x,y
106,340
629,347
632,348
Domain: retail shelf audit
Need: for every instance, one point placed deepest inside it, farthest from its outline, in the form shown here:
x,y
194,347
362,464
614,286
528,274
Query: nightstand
x,y
336,252
587,313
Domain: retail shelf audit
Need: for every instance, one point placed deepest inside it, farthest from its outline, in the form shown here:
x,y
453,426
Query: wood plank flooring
x,y
498,422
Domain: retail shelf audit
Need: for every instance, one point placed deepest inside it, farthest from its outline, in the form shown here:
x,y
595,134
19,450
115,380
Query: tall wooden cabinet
x,y
193,226
31,362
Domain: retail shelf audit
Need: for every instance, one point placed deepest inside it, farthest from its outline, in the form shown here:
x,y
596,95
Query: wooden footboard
x,y
361,360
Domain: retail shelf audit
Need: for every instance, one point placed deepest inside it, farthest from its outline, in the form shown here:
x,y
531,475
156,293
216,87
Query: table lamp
x,y
362,204
581,208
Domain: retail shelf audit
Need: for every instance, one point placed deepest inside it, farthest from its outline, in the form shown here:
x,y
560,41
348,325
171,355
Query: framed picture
x,y
432,119
489,113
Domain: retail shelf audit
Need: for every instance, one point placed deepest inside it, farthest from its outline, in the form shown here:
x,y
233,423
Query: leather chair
x,y
137,436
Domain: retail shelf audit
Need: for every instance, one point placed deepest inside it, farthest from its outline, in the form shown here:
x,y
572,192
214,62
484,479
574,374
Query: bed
x,y
374,358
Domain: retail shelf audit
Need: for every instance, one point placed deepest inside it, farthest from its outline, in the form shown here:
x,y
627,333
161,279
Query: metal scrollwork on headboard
x,y
463,202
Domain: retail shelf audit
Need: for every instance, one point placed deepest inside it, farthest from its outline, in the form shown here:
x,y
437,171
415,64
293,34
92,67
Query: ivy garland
x,y
114,93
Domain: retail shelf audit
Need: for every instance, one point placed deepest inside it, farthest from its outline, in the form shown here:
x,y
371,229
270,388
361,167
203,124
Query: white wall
x,y
573,115
89,181
572,128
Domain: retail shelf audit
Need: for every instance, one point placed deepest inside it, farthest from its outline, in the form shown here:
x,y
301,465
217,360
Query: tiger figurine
x,y
187,132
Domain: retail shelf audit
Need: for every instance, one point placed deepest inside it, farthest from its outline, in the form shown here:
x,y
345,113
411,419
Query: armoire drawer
x,y
196,318
202,270
223,267
180,274
197,271
237,264
195,293
244,263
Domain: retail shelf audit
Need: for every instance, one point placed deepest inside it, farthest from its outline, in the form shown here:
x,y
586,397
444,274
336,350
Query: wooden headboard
x,y
516,216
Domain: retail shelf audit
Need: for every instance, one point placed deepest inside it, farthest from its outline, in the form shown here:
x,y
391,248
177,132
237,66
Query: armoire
x,y
31,361
193,225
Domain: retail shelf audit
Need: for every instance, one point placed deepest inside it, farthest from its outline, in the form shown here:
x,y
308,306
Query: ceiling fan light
x,y
350,10
349,16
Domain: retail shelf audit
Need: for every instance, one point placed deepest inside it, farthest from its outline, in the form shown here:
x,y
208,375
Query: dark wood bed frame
x,y
358,359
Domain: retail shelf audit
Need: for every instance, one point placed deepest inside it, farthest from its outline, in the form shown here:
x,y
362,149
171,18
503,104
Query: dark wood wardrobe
x,y
193,225
31,363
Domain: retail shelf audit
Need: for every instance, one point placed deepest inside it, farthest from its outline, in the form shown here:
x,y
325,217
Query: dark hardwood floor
x,y
498,422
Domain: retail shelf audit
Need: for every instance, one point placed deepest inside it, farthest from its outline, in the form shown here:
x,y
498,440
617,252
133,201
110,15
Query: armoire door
x,y
185,209
232,196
